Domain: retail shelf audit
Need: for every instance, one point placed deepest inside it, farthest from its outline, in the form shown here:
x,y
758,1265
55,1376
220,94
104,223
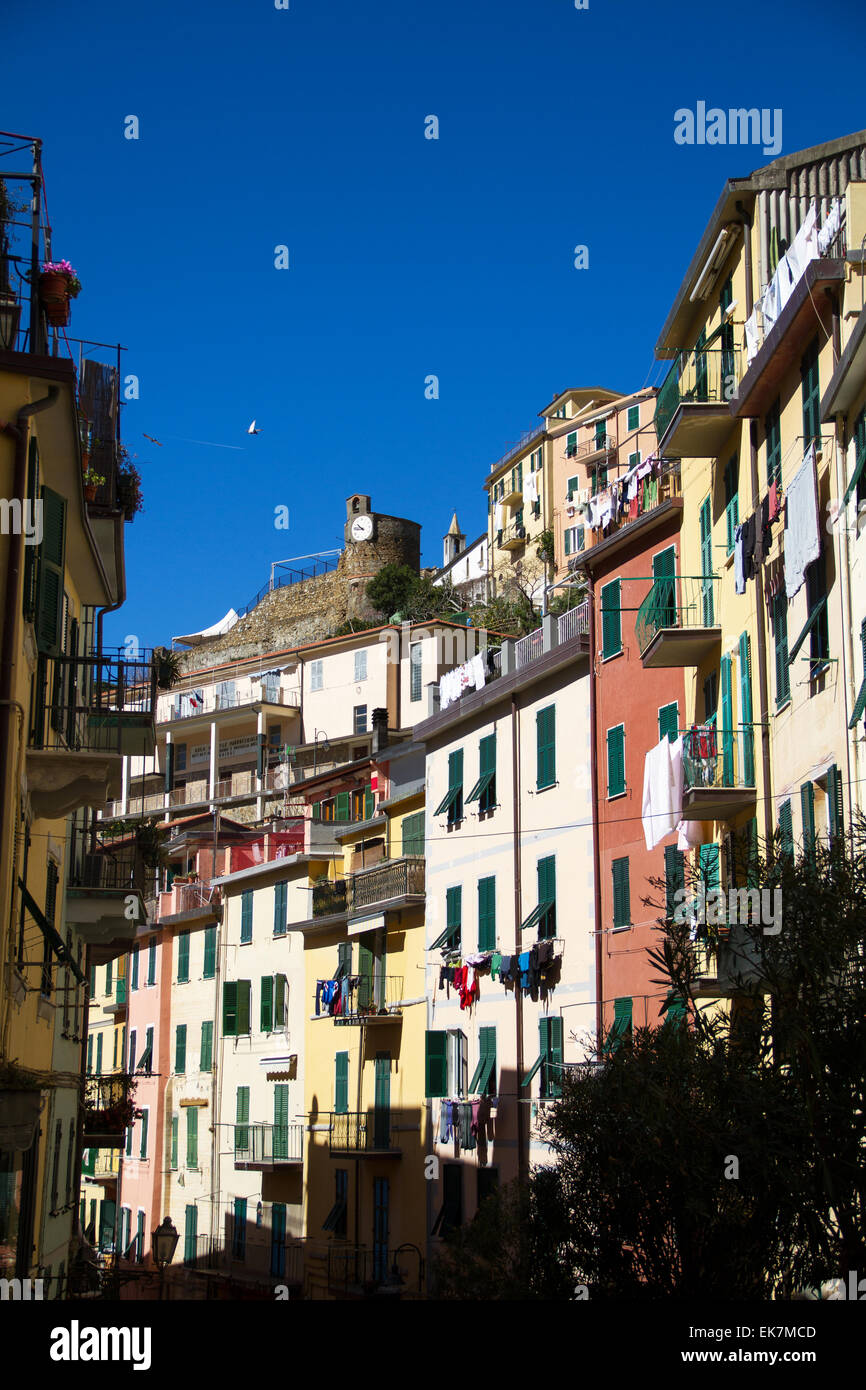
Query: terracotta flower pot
x,y
54,294
90,491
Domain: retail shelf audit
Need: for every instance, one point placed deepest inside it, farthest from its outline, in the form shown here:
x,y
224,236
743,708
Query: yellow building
x,y
364,1178
68,713
757,615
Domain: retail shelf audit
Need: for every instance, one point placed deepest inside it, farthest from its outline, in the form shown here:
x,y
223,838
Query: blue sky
x,y
408,257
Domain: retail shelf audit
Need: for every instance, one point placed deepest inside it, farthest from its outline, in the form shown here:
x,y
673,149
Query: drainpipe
x,y
20,434
596,822
760,624
841,445
522,1117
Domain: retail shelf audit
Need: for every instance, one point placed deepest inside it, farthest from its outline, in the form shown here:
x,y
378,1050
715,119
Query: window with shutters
x,y
811,395
210,948
859,709
450,937
571,445
145,1120
281,1002
236,1008
835,804
669,721
239,1231
616,761
546,881
316,675
134,969
452,801
573,488
416,656
483,1081
52,559
621,1029
732,500
341,1083
706,532
174,1140
281,1122
550,1041
206,1053
773,437
611,620
747,769
281,898
484,790
675,879
634,459
819,633
151,961
858,477
807,809
183,958
242,1116
191,1136
450,1215
786,829
446,1070
246,917
621,893
545,736
180,1048
487,914
359,715
780,647
412,836
361,665
266,1013
633,418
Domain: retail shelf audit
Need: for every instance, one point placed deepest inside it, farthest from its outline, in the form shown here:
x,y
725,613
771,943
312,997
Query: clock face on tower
x,y
362,528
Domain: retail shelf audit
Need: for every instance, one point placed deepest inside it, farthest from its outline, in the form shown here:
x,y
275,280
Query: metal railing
x,y
89,702
269,1144
109,869
718,756
600,444
528,648
677,601
574,623
328,897
358,1268
395,879
189,897
523,443
514,531
108,1106
705,376
362,1131
368,995
185,705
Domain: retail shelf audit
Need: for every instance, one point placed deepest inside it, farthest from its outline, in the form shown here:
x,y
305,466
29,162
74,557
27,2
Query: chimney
x,y
380,730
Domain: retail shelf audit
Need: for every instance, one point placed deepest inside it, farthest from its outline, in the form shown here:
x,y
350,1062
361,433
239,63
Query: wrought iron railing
x,y
718,756
360,1131
110,869
88,703
597,444
368,995
706,376
523,443
255,1143
363,1269
677,601
394,879
108,1107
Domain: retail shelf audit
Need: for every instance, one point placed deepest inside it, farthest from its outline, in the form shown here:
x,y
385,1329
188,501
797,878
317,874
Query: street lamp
x,y
163,1243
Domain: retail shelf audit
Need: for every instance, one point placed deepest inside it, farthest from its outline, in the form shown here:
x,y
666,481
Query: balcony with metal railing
x,y
512,536
210,701
364,1134
267,1147
395,881
329,897
718,771
599,448
574,623
677,622
108,1109
118,1001
692,415
370,998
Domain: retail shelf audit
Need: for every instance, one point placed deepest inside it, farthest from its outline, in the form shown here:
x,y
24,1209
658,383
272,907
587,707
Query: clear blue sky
x,y
408,256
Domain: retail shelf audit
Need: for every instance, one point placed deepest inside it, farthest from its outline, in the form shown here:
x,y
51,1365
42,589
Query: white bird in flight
x,y
252,429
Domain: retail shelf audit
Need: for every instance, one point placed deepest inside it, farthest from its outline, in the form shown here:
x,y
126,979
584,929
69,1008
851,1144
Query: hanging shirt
x,y
662,802
802,537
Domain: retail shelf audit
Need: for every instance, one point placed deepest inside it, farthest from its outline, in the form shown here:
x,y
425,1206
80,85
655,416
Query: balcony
x,y
369,999
354,1271
718,772
399,881
268,1148
598,449
117,1003
574,623
725,962
194,903
676,622
208,702
513,537
87,714
653,508
692,416
363,1134
329,897
98,896
108,1110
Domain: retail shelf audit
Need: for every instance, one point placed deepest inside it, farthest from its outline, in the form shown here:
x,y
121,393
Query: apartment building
x,y
69,712
510,920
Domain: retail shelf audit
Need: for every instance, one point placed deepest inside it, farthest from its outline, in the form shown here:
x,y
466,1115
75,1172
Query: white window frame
x,y
317,675
458,1062
361,664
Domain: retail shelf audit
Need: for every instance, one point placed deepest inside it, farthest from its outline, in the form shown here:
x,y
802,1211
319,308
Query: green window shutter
x,y
174,1129
52,560
168,782
246,916
546,878
344,960
545,734
365,971
708,860
134,967
455,786
281,1117
786,828
99,1054
633,419
206,1059
727,724
486,914
835,805
244,993
571,445
341,1083
616,761
145,1117
773,432
412,832
230,1008
611,625
342,807
811,394
369,806
191,1136
317,810
807,806
267,1004
732,502
746,731
487,768
675,877
242,1115
621,893
436,1063
669,721
280,901
454,914
180,1048
280,991
90,1055
487,1042
554,1053
780,641
183,957
706,529
209,953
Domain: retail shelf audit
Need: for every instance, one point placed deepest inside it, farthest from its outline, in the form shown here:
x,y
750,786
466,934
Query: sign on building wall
x,y
228,748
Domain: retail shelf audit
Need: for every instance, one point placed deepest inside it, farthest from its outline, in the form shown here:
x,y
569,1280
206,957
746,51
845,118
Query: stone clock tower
x,y
373,540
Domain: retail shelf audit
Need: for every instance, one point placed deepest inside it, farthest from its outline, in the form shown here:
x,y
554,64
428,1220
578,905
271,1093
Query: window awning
x,y
536,914
480,786
145,1059
536,1066
810,623
447,800
481,1077
335,1215
51,934
444,938
859,705
618,1032
855,478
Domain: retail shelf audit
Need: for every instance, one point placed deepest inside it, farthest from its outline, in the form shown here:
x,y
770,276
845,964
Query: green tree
x,y
389,590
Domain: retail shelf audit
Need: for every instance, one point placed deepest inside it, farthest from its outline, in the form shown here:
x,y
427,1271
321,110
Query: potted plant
x,y
128,485
58,283
92,481
167,666
20,1103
